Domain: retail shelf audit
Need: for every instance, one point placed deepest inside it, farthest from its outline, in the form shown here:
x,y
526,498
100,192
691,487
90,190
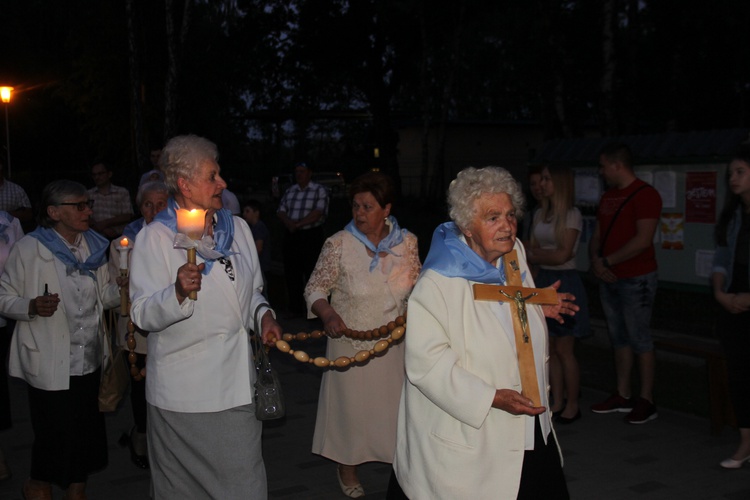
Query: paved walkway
x,y
673,457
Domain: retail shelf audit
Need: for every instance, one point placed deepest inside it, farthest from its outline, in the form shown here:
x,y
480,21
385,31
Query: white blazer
x,y
40,349
199,353
451,443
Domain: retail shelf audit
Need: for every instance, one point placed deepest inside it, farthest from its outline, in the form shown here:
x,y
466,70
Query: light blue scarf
x,y
394,237
131,230
223,231
5,220
453,258
97,247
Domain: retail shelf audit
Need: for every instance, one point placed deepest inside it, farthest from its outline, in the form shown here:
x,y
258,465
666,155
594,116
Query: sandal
x,y
355,491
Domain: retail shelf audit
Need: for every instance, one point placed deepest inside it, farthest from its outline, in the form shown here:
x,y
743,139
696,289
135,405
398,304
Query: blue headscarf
x,y
97,246
223,231
452,257
394,237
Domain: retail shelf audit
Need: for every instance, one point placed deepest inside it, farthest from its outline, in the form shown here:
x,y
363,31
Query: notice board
x,y
692,198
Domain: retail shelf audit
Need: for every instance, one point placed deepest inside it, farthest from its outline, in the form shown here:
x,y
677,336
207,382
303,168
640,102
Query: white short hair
x,y
471,183
182,156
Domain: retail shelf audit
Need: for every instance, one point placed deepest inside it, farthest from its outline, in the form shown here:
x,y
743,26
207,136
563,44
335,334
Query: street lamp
x,y
5,93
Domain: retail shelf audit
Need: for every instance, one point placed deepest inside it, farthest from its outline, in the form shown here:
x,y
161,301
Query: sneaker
x,y
612,404
643,412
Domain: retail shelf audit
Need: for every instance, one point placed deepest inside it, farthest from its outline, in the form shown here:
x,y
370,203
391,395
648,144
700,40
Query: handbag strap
x,y
255,337
261,356
614,218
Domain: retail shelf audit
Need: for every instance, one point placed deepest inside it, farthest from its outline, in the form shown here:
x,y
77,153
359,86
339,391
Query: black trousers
x,y
541,476
5,338
301,250
70,440
734,332
138,396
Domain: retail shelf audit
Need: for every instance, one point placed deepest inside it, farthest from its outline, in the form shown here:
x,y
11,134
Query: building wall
x,y
478,145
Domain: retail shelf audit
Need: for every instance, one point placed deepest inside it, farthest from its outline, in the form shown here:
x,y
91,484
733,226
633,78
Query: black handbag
x,y
269,399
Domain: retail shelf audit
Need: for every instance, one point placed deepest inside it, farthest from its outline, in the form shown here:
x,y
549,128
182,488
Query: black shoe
x,y
558,412
140,461
566,421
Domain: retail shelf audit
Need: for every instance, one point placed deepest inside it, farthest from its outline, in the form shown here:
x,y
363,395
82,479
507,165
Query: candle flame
x,y
191,222
124,242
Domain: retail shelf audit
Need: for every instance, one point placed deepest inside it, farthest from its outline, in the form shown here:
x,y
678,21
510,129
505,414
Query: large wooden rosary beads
x,y
388,334
138,374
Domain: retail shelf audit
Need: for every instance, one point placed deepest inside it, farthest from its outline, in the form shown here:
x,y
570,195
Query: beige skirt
x,y
358,407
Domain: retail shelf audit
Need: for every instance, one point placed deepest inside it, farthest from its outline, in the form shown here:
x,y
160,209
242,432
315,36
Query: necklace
x,y
388,334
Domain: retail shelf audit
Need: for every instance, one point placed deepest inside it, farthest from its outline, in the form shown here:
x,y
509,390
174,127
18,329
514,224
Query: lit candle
x,y
123,249
191,222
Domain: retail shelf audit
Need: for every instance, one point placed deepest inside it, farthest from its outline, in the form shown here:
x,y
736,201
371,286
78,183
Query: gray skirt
x,y
206,455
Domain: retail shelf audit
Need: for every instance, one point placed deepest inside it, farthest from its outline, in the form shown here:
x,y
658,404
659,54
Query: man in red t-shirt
x,y
623,258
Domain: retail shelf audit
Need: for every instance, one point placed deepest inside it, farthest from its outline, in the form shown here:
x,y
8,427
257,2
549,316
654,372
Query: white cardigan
x,y
40,349
199,354
451,443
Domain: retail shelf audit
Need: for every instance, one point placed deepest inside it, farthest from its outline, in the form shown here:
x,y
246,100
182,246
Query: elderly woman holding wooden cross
x,y
474,419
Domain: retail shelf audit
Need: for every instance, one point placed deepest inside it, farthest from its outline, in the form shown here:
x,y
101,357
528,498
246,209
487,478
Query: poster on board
x,y
700,197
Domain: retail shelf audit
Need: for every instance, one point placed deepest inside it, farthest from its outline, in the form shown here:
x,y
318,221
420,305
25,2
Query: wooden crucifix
x,y
517,296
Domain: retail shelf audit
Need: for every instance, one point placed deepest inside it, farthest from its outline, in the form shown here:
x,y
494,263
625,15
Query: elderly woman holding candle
x,y
151,199
474,419
56,285
203,437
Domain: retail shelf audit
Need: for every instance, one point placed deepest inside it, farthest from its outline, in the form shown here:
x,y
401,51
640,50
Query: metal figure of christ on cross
x,y
518,296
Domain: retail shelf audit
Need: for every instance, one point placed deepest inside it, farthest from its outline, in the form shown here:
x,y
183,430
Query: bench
x,y
710,350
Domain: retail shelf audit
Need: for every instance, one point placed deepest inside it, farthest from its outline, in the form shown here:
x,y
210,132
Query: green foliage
x,y
329,80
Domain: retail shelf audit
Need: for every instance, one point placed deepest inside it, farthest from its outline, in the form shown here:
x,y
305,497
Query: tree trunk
x,y
139,147
609,125
629,112
559,101
443,175
424,85
175,42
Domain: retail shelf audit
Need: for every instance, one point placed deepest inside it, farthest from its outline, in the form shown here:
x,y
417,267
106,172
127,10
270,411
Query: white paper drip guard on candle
x,y
205,246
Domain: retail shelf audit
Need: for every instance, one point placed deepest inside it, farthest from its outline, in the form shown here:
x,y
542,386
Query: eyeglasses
x,y
80,205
